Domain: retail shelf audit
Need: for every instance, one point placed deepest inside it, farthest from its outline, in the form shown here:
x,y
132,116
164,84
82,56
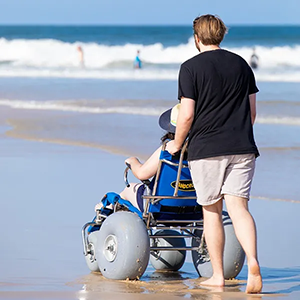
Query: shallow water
x,y
49,192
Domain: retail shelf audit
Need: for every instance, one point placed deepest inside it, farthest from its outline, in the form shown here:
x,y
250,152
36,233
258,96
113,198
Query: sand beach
x,y
53,172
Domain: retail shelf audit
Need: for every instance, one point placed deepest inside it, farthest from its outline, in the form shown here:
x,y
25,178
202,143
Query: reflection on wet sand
x,y
172,285
279,283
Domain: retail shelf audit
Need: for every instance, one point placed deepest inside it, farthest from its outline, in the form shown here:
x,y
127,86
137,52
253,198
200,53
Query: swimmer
x,y
81,56
137,62
254,60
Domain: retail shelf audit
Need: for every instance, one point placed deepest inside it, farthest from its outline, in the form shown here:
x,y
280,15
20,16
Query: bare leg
x,y
129,193
245,231
214,236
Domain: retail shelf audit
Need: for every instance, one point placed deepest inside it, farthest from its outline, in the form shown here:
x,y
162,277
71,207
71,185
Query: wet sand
x,y
49,191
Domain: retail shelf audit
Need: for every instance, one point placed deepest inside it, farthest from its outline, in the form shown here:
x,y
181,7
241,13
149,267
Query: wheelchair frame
x,y
185,229
186,226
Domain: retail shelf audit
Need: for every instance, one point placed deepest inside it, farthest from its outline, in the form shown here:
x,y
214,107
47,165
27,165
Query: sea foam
x,y
64,106
54,58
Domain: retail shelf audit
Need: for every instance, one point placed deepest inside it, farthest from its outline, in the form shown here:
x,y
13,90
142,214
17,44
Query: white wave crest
x,y
53,58
64,106
279,120
54,53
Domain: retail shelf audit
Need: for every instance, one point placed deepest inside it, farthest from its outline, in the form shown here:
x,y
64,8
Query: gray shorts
x,y
216,176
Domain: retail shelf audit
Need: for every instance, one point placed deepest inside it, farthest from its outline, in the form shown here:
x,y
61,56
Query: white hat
x,y
168,119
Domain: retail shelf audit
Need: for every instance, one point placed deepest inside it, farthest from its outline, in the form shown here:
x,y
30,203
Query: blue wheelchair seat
x,y
167,201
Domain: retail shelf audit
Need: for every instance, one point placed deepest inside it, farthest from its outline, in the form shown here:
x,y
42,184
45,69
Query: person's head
x,y
209,30
168,121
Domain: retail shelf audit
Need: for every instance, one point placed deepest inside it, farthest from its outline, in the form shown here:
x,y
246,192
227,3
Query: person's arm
x,y
146,170
183,126
252,99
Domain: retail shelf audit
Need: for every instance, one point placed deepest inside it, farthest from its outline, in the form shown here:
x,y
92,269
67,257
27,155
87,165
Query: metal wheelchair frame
x,y
185,227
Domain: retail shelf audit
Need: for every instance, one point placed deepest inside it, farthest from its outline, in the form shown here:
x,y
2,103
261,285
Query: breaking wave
x,y
54,58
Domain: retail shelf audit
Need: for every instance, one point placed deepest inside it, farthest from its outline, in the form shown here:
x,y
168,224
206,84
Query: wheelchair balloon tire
x,y
123,246
90,258
234,255
168,260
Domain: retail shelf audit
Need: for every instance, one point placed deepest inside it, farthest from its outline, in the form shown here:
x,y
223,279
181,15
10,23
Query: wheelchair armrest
x,y
147,182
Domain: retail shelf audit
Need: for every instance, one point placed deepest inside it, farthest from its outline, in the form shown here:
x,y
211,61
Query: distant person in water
x,y
254,60
137,62
81,56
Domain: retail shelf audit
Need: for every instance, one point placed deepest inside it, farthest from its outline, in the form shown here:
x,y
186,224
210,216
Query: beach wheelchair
x,y
121,239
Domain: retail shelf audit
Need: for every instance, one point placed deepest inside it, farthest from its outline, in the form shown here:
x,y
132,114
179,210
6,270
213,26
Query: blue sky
x,y
134,12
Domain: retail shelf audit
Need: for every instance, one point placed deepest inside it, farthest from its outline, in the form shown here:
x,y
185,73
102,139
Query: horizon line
x,y
142,25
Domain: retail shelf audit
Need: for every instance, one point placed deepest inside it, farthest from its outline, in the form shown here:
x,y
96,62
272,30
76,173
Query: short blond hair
x,y
209,29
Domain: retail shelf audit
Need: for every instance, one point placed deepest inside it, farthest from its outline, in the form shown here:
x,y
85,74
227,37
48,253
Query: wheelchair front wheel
x,y
123,246
168,260
234,255
90,258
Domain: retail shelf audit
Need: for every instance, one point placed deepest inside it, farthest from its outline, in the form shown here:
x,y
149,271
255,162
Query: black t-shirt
x,y
220,82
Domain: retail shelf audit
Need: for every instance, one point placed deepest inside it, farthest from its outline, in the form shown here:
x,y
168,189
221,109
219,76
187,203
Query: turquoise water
x,y
147,35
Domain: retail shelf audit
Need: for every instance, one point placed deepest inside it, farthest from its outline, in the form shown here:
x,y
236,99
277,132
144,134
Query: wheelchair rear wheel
x,y
90,258
234,255
123,246
168,260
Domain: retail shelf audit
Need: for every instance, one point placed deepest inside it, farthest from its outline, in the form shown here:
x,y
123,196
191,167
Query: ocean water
x,y
51,51
40,72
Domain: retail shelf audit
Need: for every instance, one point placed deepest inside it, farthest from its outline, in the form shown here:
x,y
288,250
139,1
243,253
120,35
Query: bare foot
x,y
254,282
213,281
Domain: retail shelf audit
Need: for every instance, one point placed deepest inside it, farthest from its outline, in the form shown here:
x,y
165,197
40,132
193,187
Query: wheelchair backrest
x,y
168,177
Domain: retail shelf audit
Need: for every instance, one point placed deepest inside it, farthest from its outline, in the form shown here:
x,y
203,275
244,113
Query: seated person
x,y
147,170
